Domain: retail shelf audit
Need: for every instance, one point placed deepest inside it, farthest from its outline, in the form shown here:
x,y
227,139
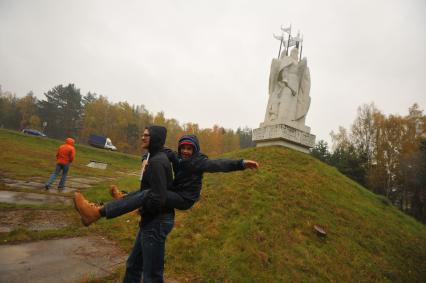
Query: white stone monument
x,y
289,100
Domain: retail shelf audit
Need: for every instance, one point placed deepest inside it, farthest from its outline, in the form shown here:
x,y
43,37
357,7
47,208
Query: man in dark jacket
x,y
147,256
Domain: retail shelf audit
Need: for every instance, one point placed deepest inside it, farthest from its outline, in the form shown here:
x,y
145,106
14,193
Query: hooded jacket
x,y
189,172
66,152
158,175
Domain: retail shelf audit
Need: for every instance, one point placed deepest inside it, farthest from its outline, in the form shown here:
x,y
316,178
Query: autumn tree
x,y
363,133
27,106
390,136
386,154
97,118
10,115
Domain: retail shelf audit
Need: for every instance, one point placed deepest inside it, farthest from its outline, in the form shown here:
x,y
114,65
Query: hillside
x,y
250,226
258,226
27,156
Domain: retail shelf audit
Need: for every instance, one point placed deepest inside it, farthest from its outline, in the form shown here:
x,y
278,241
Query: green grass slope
x,y
249,226
257,226
23,156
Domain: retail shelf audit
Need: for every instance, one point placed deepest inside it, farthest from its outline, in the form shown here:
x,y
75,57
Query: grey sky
x,y
208,61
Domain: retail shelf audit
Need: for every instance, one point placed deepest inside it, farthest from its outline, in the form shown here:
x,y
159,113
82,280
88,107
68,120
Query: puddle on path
x,y
35,220
61,260
32,198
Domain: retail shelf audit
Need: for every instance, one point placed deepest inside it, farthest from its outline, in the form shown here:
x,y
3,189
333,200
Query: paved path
x,y
32,198
72,184
61,260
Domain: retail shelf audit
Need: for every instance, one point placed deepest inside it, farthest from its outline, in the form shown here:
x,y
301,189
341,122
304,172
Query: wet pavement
x,y
13,197
61,260
72,184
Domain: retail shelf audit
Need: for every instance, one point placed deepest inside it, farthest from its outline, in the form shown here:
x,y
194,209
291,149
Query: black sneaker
x,y
46,187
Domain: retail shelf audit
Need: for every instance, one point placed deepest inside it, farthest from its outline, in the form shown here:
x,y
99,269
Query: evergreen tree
x,y
62,111
320,151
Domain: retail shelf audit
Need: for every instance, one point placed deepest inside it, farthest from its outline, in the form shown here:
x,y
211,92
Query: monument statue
x,y
289,100
289,85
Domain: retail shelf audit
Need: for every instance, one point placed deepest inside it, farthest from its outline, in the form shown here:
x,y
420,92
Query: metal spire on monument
x,y
281,39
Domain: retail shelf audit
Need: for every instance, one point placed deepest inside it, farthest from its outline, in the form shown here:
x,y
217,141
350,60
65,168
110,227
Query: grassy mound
x,y
250,226
257,226
24,156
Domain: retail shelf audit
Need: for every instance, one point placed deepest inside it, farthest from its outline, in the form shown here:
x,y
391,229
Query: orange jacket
x,y
66,152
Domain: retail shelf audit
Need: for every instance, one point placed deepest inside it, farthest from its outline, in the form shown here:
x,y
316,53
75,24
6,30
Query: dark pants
x,y
135,200
147,256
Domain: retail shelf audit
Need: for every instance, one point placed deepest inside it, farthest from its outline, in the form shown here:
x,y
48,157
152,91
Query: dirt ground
x,y
35,220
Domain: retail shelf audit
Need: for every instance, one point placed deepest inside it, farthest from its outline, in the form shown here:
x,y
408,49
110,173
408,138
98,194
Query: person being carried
x,y
64,157
189,165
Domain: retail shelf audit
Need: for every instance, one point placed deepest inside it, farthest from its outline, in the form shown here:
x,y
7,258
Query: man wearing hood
x,y
147,255
64,156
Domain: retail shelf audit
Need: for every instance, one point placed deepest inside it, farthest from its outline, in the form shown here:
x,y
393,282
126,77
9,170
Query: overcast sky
x,y
208,61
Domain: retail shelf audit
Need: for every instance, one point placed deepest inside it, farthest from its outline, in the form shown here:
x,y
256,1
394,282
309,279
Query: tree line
x,y
385,153
65,112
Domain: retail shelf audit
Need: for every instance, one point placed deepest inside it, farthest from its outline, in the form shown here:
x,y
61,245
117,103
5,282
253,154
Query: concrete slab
x,y
62,260
25,185
71,185
31,198
35,220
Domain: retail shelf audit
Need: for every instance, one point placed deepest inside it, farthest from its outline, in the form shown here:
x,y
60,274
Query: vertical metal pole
x,y
281,44
288,44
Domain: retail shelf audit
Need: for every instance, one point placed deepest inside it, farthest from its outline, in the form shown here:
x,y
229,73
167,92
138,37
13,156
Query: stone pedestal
x,y
284,135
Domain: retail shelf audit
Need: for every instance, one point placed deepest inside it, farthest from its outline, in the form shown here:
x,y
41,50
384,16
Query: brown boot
x,y
115,192
89,212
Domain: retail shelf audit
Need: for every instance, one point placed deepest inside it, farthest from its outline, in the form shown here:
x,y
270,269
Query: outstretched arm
x,y
226,165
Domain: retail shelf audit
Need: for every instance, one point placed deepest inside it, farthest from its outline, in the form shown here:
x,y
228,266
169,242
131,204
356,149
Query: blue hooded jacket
x,y
189,172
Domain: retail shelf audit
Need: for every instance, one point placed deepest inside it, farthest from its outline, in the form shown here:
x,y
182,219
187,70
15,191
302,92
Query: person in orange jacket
x,y
64,157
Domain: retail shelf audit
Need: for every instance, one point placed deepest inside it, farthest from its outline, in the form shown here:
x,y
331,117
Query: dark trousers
x,y
135,200
147,256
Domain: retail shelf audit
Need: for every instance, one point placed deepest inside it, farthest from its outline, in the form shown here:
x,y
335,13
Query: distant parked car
x,y
33,132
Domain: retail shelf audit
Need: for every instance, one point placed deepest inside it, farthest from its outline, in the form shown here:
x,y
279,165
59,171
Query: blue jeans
x,y
147,256
135,200
130,202
58,169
